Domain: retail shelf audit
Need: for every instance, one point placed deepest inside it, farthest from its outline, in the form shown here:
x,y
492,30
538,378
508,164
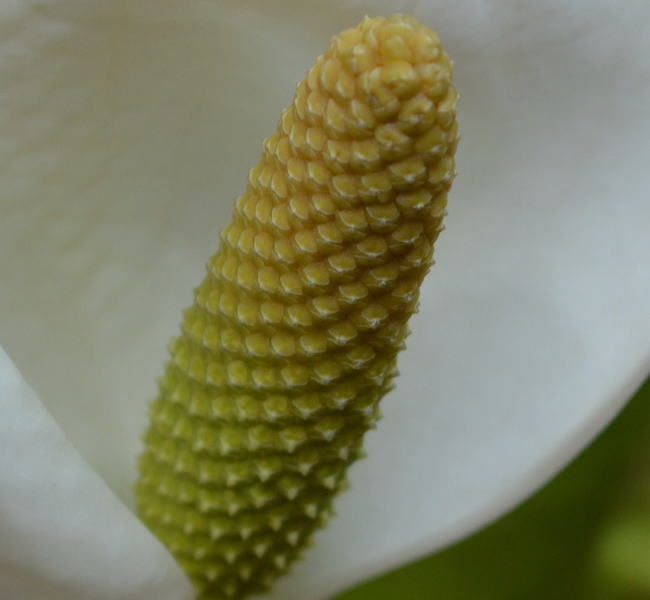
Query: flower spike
x,y
294,333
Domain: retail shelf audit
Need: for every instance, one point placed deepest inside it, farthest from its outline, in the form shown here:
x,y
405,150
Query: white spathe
x,y
127,131
64,535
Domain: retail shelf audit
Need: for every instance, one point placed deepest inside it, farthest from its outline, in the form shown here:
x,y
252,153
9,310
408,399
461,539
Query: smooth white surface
x,y
63,533
128,129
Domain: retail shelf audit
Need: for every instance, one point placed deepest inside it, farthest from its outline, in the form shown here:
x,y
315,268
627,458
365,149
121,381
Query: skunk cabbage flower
x,y
294,332
127,129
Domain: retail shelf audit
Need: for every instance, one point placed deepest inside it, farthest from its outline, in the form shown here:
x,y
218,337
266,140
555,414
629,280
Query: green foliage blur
x,y
585,536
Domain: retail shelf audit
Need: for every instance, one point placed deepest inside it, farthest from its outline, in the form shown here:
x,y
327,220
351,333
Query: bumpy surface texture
x,y
293,336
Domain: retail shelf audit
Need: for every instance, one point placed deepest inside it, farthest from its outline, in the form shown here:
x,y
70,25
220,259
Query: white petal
x,y
65,536
127,132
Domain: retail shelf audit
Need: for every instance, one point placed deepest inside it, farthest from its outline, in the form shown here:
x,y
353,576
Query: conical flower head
x,y
293,336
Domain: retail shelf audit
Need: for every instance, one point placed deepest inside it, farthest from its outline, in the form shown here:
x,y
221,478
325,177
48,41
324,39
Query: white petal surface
x,y
65,536
128,129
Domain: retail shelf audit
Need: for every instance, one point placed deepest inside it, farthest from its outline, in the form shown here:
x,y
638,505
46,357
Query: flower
x,y
119,165
293,336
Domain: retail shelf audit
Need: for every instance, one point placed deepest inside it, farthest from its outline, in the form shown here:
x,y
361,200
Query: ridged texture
x,y
293,336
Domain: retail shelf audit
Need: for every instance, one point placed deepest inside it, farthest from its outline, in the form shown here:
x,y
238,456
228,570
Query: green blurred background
x,y
585,536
